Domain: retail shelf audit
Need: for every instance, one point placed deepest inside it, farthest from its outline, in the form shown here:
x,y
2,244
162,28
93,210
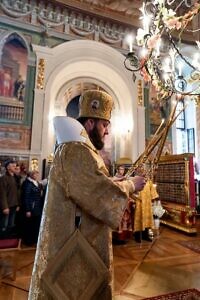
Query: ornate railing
x,y
11,112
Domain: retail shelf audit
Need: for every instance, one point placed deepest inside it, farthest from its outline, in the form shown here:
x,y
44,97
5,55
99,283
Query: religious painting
x,y
158,110
13,70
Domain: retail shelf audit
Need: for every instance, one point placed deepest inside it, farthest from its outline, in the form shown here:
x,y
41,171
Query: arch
x,y
92,62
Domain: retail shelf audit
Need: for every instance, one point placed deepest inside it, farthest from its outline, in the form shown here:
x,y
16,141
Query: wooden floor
x,y
140,271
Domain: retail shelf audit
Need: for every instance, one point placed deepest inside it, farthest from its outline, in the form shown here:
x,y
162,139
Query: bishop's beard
x,y
96,138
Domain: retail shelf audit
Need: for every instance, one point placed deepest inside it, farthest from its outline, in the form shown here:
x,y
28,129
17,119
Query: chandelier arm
x,y
179,5
153,74
129,69
196,30
170,2
133,69
188,4
150,4
179,53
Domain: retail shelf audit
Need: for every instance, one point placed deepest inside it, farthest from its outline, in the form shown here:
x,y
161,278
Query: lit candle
x,y
144,52
172,55
180,67
158,45
195,60
167,65
146,23
130,42
130,47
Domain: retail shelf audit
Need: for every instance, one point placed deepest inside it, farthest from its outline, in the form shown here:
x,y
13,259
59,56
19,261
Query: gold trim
x,y
179,227
140,93
34,164
40,76
197,100
84,134
175,158
175,207
186,184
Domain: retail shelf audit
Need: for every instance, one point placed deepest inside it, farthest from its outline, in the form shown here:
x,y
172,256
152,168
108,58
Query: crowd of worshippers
x,y
21,203
22,199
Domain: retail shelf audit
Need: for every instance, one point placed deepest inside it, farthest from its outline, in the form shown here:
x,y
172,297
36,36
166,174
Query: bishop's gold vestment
x,y
64,264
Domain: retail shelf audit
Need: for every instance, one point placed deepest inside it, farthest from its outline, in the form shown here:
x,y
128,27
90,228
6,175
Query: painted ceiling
x,y
128,11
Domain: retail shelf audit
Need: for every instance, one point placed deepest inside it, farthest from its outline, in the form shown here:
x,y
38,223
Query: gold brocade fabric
x,y
78,179
95,104
143,217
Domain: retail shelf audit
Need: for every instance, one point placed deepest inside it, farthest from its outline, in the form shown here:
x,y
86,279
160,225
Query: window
x,y
191,140
180,122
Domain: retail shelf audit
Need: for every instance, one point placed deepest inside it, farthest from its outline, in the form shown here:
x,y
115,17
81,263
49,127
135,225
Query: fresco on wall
x,y
157,110
13,70
14,134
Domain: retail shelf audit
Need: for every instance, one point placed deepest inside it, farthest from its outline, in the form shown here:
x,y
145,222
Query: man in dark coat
x,y
9,203
32,205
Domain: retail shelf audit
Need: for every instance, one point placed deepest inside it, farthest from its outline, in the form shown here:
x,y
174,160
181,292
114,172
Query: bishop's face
x,y
97,132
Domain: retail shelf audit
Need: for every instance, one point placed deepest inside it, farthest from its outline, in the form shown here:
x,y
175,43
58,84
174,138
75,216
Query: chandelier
x,y
159,57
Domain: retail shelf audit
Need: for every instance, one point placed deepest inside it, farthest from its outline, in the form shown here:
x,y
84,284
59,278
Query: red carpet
x,y
191,294
193,245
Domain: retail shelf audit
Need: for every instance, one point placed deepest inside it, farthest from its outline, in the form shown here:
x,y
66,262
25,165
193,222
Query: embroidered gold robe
x,y
78,180
143,217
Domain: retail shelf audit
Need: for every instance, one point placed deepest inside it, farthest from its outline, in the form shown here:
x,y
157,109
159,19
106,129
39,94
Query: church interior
x,y
146,56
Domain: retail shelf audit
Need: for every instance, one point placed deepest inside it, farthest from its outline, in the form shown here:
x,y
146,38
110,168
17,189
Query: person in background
x,y
120,171
79,184
2,169
32,206
44,184
19,88
1,81
125,229
143,215
18,178
9,201
19,217
7,83
196,169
